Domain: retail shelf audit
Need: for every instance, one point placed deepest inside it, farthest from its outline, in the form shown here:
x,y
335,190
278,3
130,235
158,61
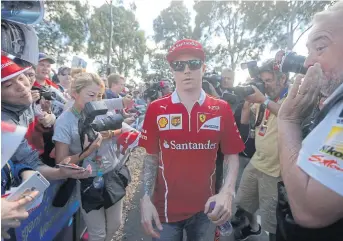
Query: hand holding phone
x,y
71,166
27,191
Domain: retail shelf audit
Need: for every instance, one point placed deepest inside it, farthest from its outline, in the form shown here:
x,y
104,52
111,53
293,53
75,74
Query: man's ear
x,y
204,68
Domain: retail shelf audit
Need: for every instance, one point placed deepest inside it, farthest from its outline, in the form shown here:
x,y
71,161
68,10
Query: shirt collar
x,y
176,99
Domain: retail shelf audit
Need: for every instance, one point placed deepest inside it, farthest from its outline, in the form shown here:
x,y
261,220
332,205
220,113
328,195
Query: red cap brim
x,y
195,52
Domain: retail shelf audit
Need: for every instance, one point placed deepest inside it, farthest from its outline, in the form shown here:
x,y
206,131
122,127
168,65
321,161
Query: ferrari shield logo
x,y
202,117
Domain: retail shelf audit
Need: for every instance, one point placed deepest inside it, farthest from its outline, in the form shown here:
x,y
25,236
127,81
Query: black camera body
x,y
213,78
45,93
290,62
152,91
236,95
87,125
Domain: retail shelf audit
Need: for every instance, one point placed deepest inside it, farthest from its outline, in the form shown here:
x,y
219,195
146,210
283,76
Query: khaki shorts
x,y
258,191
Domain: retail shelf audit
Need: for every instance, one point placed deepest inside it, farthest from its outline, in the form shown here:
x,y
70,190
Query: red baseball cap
x,y
186,46
9,69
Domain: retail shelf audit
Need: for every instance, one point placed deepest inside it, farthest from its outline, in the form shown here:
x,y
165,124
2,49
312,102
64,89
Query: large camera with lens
x,y
287,62
237,94
88,125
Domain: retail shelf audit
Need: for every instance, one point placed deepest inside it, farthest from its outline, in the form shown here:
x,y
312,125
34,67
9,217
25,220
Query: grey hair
x,y
333,14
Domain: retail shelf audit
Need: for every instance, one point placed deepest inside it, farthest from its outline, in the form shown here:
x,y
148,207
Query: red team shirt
x,y
187,145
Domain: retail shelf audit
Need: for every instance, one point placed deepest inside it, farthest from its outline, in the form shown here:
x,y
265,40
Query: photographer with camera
x,y
101,210
258,186
16,107
312,167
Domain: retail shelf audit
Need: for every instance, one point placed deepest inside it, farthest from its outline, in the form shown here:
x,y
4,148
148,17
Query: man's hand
x,y
302,97
256,97
106,134
72,173
35,96
222,210
45,105
130,120
48,120
95,145
14,211
148,214
128,101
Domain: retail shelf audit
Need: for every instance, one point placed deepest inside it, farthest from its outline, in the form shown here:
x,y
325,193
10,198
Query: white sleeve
x,y
114,104
321,154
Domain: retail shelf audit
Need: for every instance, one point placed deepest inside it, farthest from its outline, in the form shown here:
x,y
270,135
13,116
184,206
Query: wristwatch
x,y
266,102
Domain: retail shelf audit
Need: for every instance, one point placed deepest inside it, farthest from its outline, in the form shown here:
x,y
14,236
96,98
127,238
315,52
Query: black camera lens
x,y
293,63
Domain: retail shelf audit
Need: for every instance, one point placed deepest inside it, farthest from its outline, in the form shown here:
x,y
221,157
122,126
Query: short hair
x,y
23,63
333,14
114,79
269,66
76,72
86,79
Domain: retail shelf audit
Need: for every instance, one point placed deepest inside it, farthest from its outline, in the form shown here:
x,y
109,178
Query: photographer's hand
x,y
256,97
94,146
302,97
35,95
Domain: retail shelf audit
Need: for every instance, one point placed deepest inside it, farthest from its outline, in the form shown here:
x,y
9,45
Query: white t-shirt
x,y
321,155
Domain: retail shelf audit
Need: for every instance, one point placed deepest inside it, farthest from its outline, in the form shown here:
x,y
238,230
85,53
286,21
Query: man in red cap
x,y
181,135
16,108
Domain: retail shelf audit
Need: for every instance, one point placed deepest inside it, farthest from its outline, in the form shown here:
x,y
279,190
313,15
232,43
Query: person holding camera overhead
x,y
101,209
258,186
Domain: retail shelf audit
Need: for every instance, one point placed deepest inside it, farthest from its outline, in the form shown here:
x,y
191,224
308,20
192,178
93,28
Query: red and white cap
x,y
9,69
11,137
186,46
128,141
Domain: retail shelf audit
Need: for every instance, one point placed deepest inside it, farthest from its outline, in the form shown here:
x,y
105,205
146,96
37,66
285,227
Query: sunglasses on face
x,y
180,66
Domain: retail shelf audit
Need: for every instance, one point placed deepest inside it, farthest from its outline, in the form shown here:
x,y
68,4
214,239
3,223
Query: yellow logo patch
x,y
162,122
202,117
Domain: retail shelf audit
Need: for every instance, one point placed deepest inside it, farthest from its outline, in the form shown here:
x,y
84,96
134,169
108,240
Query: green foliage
x,y
64,28
128,45
172,24
243,30
159,67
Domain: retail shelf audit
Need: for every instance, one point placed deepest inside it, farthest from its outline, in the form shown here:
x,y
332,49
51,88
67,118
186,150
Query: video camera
x,y
18,37
87,125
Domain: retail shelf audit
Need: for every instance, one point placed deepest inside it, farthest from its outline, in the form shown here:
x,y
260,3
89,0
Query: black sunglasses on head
x,y
193,64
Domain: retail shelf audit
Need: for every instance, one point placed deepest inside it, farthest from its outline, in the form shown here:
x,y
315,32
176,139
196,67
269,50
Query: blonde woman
x,y
101,212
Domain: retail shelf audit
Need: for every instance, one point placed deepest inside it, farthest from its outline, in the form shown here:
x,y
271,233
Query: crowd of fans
x,y
288,140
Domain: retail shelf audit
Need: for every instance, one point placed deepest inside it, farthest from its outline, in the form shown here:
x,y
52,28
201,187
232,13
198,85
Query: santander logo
x,y
173,145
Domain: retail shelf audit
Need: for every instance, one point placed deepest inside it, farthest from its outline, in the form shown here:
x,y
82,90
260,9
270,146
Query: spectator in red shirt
x,y
181,135
43,71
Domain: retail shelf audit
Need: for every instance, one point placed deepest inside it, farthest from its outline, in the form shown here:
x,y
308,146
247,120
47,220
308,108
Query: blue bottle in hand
x,y
226,228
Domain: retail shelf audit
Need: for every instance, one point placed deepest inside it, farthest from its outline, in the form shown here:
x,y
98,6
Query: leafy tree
x,y
64,28
285,20
158,66
172,24
228,24
128,45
